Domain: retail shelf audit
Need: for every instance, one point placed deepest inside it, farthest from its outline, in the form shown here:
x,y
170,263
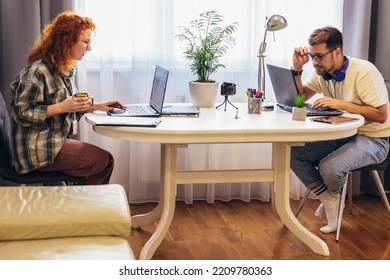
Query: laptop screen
x,y
283,84
158,88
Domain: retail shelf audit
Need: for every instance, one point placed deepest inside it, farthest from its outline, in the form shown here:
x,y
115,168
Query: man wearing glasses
x,y
348,84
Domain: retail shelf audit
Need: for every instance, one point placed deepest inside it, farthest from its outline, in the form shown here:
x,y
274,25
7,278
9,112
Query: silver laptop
x,y
154,109
284,86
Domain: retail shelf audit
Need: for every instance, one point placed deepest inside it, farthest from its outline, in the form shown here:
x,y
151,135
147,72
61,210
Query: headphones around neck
x,y
339,75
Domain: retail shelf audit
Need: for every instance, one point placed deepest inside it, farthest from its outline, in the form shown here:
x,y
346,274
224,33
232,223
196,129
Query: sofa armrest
x,y
49,212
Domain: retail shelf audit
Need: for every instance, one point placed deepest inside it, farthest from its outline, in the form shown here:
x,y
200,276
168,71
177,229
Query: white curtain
x,y
133,36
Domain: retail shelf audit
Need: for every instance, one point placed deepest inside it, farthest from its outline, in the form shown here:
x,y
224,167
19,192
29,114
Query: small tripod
x,y
226,102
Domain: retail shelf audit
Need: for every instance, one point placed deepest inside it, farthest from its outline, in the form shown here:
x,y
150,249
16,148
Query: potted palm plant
x,y
299,111
206,41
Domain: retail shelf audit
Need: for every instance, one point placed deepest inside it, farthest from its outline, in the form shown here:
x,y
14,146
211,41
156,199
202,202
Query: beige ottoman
x,y
66,222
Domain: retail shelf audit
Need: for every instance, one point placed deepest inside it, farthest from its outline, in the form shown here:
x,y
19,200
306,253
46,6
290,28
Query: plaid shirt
x,y
37,139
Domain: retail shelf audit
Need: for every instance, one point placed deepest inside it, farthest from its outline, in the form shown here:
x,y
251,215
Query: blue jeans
x,y
330,161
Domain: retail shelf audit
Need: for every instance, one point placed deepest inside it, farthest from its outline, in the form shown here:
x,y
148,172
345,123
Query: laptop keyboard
x,y
138,110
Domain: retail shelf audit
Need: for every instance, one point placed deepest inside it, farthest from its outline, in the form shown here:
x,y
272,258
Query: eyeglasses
x,y
318,57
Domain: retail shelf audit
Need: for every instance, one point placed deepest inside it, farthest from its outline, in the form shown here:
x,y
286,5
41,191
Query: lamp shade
x,y
276,22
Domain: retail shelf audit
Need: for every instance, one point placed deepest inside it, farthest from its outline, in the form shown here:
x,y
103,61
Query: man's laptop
x,y
285,88
154,109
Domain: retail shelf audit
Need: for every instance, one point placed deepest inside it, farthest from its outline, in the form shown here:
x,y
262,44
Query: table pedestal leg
x,y
145,219
166,204
281,166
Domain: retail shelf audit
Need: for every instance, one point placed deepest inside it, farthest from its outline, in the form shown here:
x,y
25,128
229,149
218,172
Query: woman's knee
x,y
100,159
110,160
106,160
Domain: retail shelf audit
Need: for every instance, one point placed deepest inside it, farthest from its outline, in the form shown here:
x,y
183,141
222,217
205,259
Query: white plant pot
x,y
298,114
203,94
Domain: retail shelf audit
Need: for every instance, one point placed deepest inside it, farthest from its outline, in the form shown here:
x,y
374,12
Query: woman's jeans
x,y
330,161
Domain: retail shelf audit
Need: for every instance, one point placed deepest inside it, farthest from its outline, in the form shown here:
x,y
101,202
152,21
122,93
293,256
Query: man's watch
x,y
296,73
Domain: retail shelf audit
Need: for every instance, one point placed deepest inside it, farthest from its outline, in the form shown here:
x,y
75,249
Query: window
x,y
135,35
141,31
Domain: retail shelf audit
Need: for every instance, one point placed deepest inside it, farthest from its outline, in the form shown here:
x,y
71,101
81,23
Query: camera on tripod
x,y
228,88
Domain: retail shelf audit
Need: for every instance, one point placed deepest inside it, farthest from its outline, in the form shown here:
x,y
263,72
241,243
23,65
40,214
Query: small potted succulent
x,y
206,42
299,111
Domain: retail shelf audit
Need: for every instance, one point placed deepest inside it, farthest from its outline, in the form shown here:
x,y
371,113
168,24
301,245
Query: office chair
x,y
347,188
7,170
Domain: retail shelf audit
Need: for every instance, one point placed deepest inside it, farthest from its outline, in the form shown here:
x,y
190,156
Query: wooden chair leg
x,y
381,190
303,200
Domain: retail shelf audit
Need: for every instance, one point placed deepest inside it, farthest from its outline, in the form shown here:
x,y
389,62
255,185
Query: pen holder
x,y
254,105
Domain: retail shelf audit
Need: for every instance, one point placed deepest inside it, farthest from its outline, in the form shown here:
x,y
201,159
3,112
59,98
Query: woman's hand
x,y
69,105
77,104
107,106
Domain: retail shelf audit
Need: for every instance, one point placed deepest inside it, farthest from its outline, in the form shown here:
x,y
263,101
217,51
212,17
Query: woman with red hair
x,y
45,109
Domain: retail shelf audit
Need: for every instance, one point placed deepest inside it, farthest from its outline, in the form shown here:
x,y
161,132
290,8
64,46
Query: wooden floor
x,y
238,230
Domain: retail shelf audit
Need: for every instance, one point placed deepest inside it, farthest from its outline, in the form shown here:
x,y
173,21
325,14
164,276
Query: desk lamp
x,y
274,23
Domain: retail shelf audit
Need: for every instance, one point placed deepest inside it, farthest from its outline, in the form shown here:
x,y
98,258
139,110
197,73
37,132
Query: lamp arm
x,y
261,75
261,69
263,44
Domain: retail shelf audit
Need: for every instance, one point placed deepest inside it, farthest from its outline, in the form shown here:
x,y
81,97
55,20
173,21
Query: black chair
x,y
7,170
348,185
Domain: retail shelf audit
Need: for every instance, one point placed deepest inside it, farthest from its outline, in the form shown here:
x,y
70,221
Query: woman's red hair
x,y
57,39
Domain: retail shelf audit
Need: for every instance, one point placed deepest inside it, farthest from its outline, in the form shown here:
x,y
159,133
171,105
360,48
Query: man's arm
x,y
300,58
372,114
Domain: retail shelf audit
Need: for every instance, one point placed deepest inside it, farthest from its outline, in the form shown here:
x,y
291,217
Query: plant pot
x,y
298,114
203,94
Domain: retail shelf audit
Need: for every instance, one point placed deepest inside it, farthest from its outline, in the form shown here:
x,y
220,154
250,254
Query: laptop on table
x,y
155,106
285,88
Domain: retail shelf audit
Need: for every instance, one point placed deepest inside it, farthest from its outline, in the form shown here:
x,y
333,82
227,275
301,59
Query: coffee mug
x,y
83,94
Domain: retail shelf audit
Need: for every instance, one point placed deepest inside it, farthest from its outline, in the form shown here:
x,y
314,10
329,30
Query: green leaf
x,y
206,41
299,100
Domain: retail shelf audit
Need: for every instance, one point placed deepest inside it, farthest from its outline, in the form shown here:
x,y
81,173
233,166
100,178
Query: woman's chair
x,y
7,170
348,185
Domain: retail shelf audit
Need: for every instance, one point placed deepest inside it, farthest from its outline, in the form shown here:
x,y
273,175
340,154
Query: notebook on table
x,y
156,101
285,88
334,119
134,121
181,111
